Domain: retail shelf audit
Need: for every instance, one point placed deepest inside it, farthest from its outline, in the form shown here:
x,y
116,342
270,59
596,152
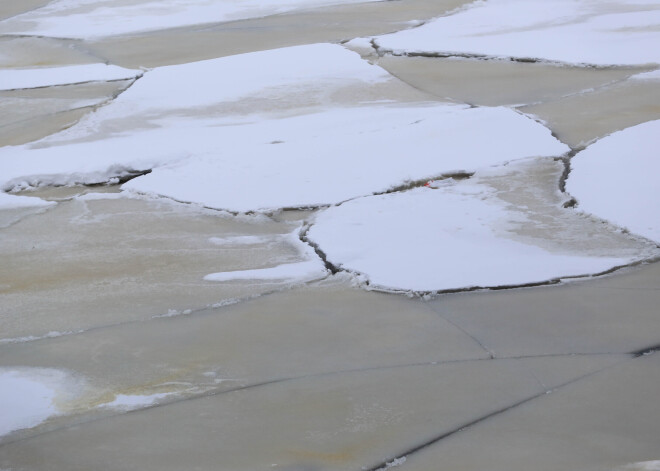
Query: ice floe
x,y
617,179
335,155
584,31
12,79
254,160
98,18
460,235
28,395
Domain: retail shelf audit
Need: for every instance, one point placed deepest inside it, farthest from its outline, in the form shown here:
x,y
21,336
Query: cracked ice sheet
x,y
98,18
12,79
134,131
588,31
246,161
617,179
467,234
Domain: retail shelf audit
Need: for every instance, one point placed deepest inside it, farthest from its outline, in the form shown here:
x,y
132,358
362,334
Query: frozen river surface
x,y
329,235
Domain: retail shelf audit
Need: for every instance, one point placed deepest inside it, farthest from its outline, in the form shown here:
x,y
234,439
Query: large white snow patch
x,y
28,396
575,31
618,179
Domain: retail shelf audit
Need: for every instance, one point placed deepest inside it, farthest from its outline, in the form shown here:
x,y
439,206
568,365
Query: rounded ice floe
x,y
617,179
458,236
12,79
27,396
584,31
98,18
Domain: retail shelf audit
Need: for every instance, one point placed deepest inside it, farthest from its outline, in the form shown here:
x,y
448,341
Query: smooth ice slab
x,y
472,233
585,31
12,79
332,156
617,179
98,18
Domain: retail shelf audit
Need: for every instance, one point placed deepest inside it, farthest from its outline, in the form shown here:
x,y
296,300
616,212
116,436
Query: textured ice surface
x,y
617,179
96,18
11,79
585,31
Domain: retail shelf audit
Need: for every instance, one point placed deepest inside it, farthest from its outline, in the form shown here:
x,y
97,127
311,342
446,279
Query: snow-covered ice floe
x,y
13,79
175,120
617,179
98,18
28,396
602,32
332,156
458,235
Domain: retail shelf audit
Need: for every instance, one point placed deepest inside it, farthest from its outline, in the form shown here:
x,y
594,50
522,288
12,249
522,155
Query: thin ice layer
x,y
12,79
617,179
585,31
460,235
98,18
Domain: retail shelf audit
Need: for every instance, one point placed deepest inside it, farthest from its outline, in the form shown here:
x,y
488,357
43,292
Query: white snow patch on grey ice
x,y
98,18
28,395
134,401
587,31
11,79
616,179
453,237
300,271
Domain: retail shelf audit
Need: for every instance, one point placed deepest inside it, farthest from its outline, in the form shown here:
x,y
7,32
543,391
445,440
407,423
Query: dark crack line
x,y
433,441
247,387
475,339
84,82
334,269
